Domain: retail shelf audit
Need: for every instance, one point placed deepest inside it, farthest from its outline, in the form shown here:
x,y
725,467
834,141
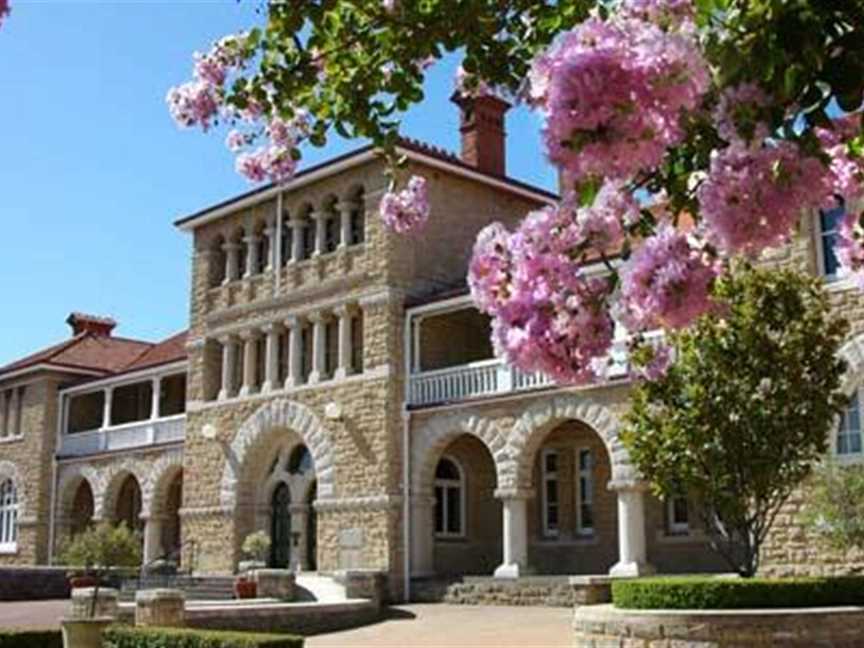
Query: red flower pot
x,y
245,589
76,582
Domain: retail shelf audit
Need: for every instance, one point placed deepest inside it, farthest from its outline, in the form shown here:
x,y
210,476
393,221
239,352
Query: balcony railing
x,y
493,377
140,434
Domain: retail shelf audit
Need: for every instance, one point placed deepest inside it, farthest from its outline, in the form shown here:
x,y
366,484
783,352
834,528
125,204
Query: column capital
x,y
230,246
226,339
317,317
296,223
271,327
291,322
514,493
320,214
347,205
248,335
347,309
628,486
251,239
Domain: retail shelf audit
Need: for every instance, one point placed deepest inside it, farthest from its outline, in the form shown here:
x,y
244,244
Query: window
x,y
829,221
172,395
305,353
308,239
449,499
263,244
331,234
284,350
551,503
260,360
300,462
5,412
678,515
287,242
849,431
8,516
358,224
331,347
132,403
584,492
357,343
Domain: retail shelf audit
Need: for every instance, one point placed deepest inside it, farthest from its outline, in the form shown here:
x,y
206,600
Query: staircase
x,y
309,586
196,588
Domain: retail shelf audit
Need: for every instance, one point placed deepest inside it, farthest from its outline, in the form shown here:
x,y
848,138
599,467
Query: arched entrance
x,y
127,507
280,527
81,513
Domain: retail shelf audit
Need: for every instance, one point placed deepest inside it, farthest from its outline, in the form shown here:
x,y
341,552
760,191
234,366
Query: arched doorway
x,y
280,527
81,513
127,509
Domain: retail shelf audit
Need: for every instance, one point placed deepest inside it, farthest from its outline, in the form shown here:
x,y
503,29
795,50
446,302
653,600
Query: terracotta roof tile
x,y
172,349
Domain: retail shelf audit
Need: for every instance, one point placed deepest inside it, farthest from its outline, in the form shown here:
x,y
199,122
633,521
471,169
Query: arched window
x,y
358,218
449,499
8,516
828,222
848,441
300,462
217,262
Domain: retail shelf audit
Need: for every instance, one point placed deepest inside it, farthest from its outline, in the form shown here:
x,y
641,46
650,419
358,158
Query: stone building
x,y
337,389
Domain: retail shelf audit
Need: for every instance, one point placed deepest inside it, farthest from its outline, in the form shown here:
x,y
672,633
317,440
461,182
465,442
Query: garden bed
x,y
730,593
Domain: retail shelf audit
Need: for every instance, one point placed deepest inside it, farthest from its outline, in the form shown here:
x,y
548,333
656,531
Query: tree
x,y
834,505
729,111
100,548
745,410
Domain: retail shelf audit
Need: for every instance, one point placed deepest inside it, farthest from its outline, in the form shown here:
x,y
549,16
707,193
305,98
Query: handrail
x,y
176,552
130,425
479,364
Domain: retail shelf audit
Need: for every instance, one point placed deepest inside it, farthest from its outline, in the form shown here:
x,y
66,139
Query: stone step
x,y
196,588
531,591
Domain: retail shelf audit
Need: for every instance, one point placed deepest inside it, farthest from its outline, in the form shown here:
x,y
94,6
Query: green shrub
x,y
127,637
30,639
714,593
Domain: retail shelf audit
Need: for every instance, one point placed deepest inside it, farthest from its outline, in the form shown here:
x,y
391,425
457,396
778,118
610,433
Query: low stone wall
x,y
33,583
536,591
296,618
603,626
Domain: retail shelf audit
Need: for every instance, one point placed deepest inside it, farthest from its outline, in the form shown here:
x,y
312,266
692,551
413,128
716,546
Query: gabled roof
x,y
170,350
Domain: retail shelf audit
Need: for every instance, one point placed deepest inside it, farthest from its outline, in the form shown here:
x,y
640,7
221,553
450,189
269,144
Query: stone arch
x,y
538,420
9,470
160,475
70,478
433,437
282,413
106,498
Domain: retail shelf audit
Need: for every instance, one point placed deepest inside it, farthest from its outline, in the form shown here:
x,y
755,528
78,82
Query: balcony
x,y
140,434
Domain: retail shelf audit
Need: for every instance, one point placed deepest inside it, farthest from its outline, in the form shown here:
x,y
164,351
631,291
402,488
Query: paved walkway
x,y
408,626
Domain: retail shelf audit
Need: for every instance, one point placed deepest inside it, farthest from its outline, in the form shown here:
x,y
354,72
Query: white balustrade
x,y
140,434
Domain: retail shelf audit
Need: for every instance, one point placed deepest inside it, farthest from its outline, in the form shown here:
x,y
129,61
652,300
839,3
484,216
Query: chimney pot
x,y
482,129
93,324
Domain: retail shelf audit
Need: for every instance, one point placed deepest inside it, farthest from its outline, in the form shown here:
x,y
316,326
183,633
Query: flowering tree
x,y
687,132
739,419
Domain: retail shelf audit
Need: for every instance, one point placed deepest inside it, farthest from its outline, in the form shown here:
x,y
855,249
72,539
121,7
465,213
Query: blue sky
x,y
93,171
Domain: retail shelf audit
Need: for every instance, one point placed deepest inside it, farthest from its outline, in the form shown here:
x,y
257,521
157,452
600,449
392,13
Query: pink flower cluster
x,y
600,227
275,161
614,91
850,244
753,197
406,211
666,283
740,113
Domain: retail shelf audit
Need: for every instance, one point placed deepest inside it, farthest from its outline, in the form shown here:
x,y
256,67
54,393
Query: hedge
x,y
30,638
129,637
717,593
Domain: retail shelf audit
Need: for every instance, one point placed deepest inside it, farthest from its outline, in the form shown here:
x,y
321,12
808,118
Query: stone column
x,y
106,409
345,210
344,368
422,535
271,366
318,341
632,548
415,345
251,255
154,405
295,353
320,218
232,259
296,226
152,538
250,362
229,358
160,608
515,504
270,233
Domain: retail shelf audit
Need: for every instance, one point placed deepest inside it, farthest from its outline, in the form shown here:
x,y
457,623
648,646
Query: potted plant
x,y
256,549
245,588
96,551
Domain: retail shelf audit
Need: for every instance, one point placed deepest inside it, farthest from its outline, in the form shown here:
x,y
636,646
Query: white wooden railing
x,y
123,437
495,377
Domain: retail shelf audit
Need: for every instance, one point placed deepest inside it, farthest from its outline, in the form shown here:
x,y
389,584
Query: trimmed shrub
x,y
30,638
718,593
128,637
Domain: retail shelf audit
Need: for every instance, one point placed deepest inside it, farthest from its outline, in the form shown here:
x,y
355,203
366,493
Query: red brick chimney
x,y
83,323
482,128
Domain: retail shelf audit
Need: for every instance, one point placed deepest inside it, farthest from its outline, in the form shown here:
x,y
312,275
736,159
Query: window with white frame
x,y
449,499
677,515
829,222
584,492
8,516
551,493
848,440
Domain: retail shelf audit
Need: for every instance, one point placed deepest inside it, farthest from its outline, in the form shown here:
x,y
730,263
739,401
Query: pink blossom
x,y
752,198
662,357
236,141
846,170
663,12
600,227
408,210
741,113
850,244
614,92
253,165
4,10
194,102
667,282
489,270
210,69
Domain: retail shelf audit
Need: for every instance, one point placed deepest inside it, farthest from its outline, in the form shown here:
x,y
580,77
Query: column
x,y
270,233
318,341
422,535
296,239
295,353
152,538
320,219
415,345
231,260
299,525
106,410
251,255
229,357
271,353
515,563
250,362
345,210
154,406
344,368
632,552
